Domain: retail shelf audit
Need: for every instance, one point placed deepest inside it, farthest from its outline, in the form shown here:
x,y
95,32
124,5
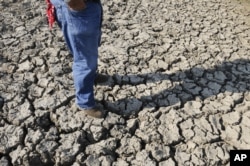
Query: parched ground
x,y
178,88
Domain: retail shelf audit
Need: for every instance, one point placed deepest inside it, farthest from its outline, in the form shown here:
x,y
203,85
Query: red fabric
x,y
50,13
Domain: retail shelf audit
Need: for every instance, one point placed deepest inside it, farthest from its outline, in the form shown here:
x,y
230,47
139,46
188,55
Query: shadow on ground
x,y
233,77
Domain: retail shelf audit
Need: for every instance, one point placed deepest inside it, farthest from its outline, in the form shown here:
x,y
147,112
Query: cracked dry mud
x,y
177,91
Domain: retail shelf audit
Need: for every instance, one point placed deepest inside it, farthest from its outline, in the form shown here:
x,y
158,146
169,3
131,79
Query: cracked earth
x,y
177,89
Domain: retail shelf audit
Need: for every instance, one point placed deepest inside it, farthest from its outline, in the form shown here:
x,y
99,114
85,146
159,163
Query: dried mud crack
x,y
177,89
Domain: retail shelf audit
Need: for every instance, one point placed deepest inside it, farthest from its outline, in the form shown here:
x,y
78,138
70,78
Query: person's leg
x,y
61,18
84,33
82,30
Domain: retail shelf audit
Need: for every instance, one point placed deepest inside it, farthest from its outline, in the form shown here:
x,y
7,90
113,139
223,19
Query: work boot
x,y
93,112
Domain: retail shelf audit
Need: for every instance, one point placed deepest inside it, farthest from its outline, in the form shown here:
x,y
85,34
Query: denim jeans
x,y
82,32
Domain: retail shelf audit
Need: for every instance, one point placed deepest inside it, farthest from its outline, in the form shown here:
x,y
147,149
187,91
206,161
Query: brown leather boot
x,y
93,112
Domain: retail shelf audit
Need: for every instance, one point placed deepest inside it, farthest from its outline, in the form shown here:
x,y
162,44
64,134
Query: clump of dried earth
x,y
177,91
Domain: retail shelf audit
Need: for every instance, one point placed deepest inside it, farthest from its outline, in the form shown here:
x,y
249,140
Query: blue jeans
x,y
82,32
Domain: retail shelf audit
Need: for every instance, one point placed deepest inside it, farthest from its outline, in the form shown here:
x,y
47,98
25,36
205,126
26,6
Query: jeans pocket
x,y
86,21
